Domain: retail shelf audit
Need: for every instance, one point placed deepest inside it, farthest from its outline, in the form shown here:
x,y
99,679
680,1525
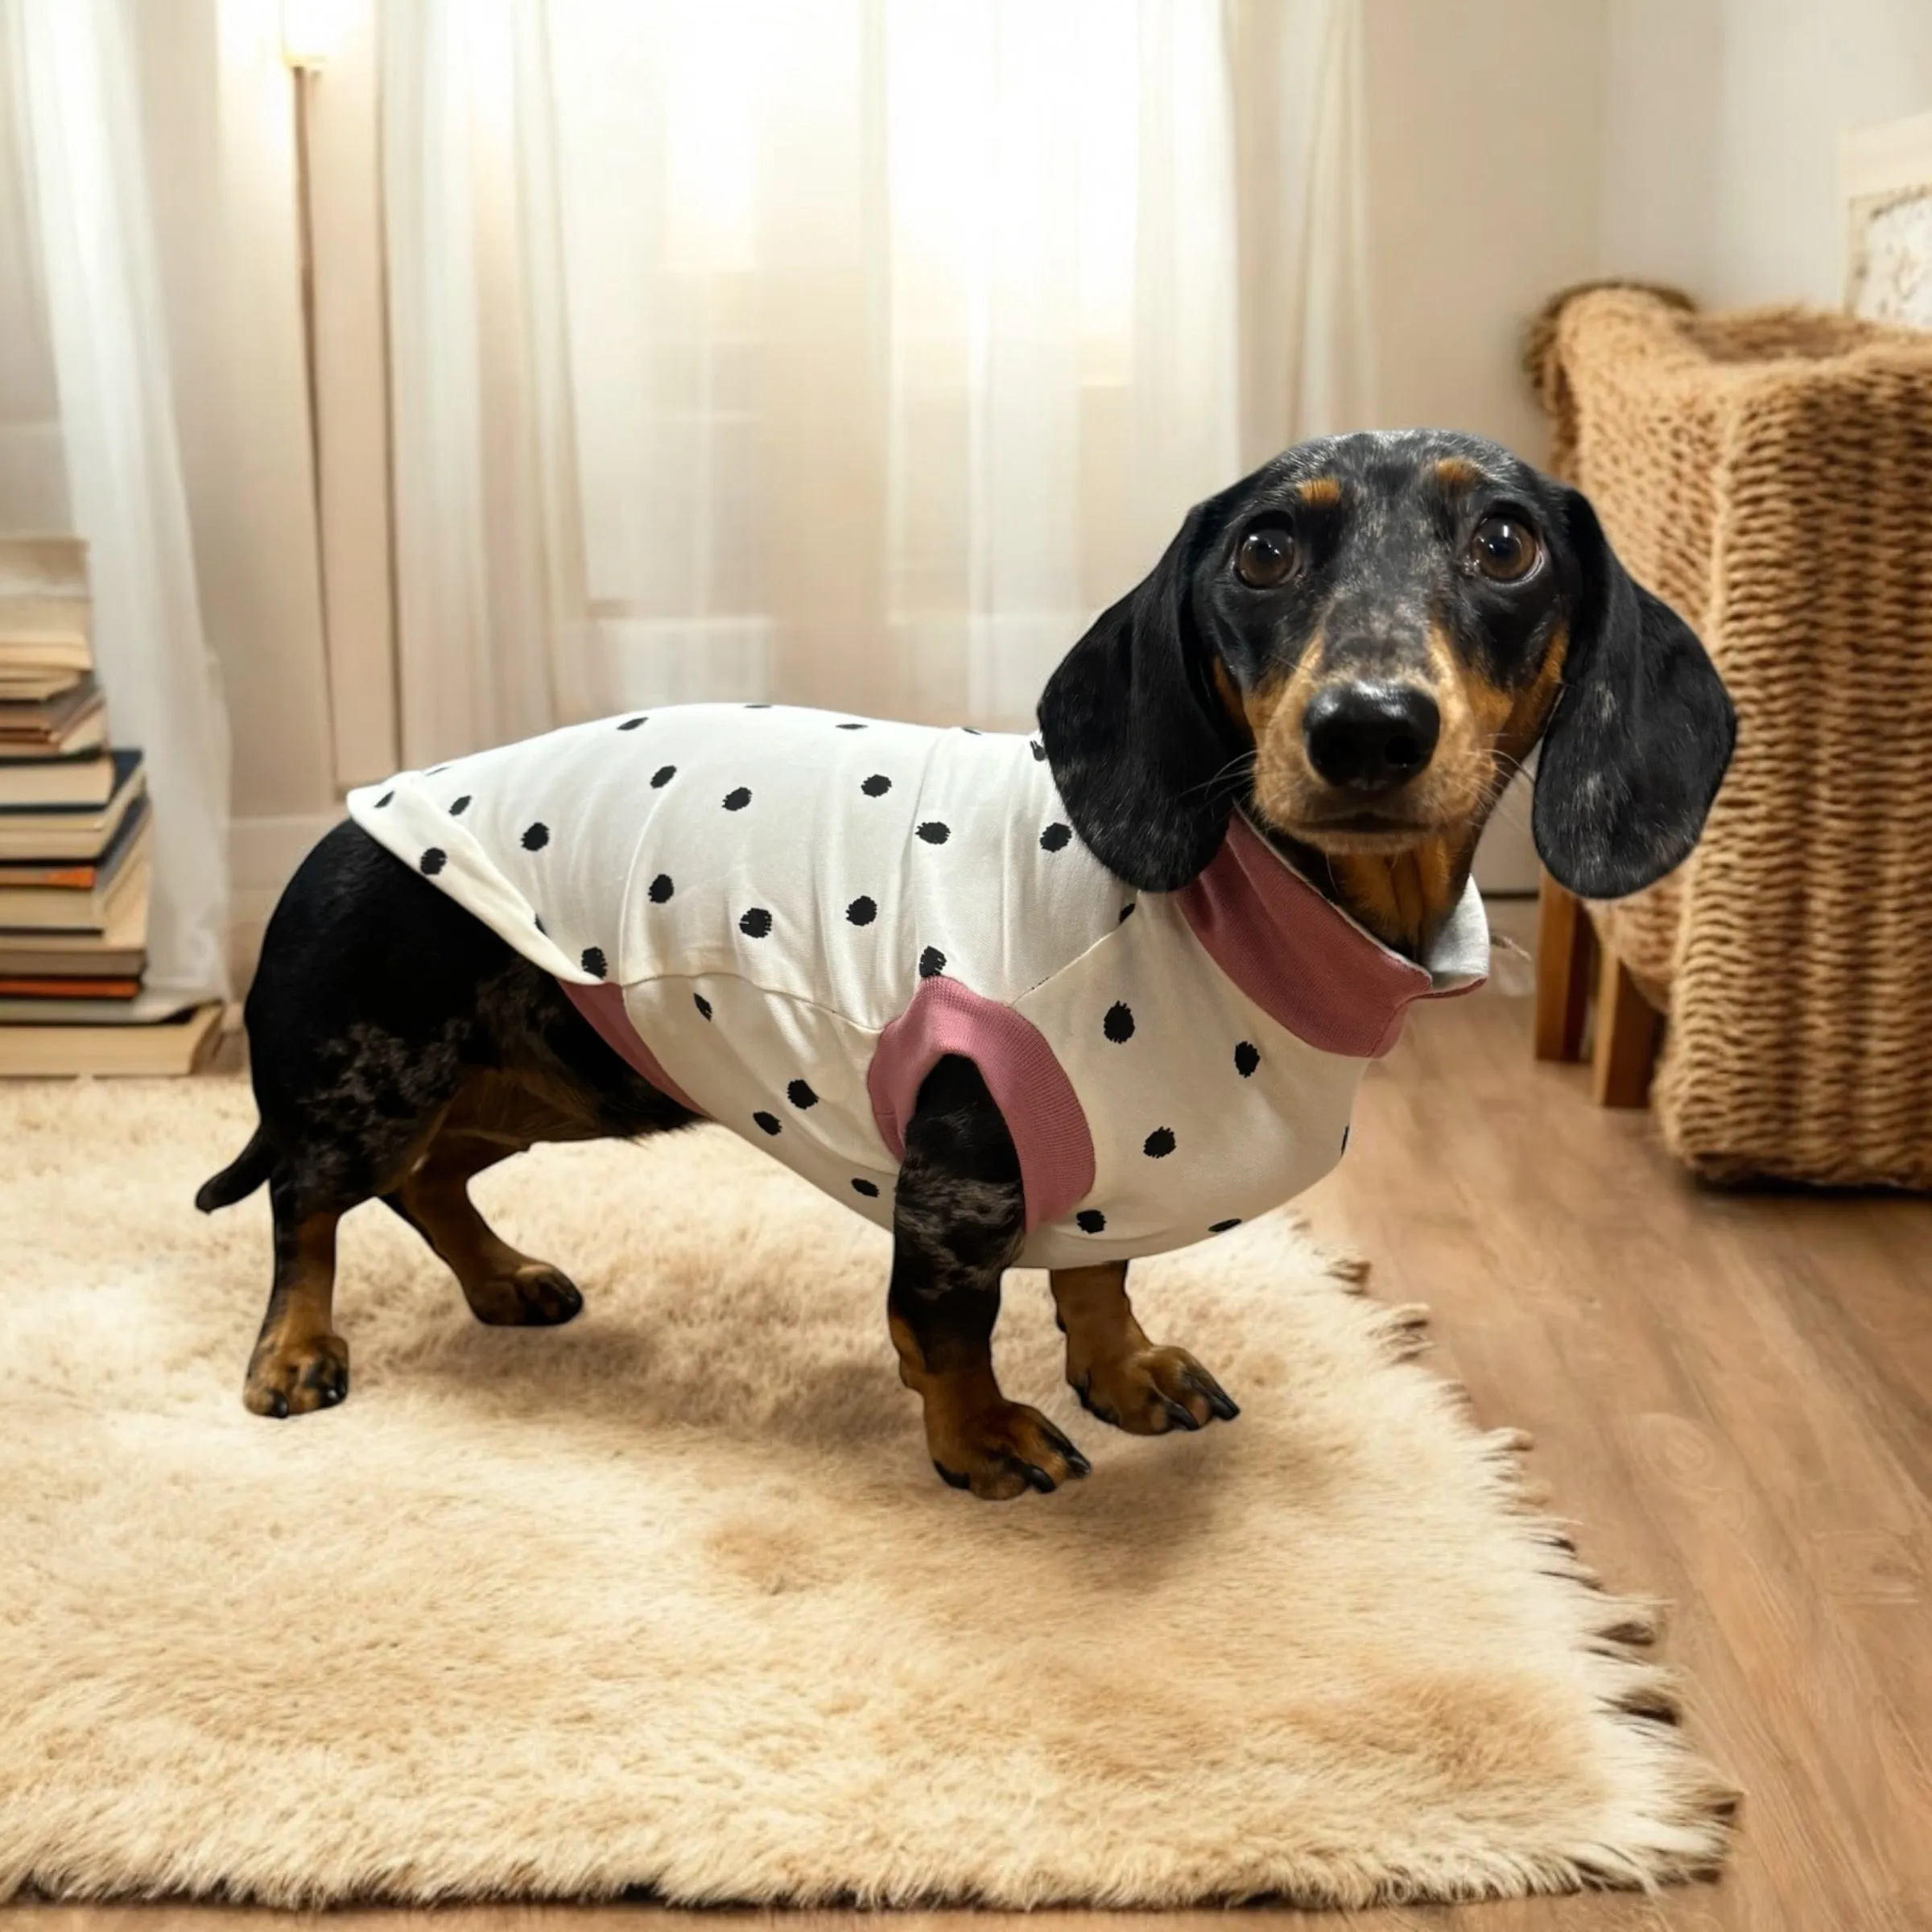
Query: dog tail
x,y
240,1177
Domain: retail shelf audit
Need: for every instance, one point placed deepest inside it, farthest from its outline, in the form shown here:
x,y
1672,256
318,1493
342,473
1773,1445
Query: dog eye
x,y
1504,550
1267,556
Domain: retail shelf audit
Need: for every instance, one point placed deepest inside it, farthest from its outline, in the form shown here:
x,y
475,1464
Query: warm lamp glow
x,y
312,30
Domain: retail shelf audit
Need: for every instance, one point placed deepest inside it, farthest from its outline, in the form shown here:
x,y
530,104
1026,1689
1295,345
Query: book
x,y
46,613
86,777
51,896
23,686
118,953
81,990
72,832
175,1044
74,719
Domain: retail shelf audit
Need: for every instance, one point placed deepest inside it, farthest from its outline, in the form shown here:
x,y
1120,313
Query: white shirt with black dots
x,y
785,917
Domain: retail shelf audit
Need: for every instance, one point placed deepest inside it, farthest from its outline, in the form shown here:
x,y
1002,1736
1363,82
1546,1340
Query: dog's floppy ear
x,y
1145,758
1642,731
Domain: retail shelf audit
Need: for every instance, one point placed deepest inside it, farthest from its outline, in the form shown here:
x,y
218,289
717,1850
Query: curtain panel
x,y
853,353
89,444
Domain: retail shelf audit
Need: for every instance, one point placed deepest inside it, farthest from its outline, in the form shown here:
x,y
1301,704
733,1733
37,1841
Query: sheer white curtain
x,y
851,352
104,459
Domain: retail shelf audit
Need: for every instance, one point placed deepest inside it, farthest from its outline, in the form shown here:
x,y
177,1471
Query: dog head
x,y
1360,643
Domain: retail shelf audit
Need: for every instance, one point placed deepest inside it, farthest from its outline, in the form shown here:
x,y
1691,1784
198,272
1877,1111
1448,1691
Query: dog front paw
x,y
288,1378
536,1295
1150,1391
1002,1450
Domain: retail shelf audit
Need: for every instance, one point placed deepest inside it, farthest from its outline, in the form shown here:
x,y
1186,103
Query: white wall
x,y
1723,117
1485,120
1519,146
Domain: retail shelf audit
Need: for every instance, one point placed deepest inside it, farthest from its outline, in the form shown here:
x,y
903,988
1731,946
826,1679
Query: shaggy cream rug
x,y
671,1598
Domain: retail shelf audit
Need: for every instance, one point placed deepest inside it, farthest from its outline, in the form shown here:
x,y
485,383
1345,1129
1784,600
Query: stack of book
x,y
75,839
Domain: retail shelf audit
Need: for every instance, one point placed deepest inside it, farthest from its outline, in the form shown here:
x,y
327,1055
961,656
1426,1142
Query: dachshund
x,y
1061,999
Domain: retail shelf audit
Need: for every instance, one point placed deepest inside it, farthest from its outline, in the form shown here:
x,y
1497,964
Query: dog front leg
x,y
1118,1374
959,1221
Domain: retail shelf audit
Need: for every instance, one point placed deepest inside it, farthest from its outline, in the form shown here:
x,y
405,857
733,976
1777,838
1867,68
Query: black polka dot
x,y
384,799
1222,1226
870,1189
877,785
593,961
738,800
458,806
661,888
703,1005
757,707
1344,1140
933,833
1090,1221
1038,749
768,1121
535,837
852,725
1247,1057
1159,1144
1118,1026
1055,836
662,776
756,924
972,731
861,911
632,723
1126,913
433,861
435,769
931,961
800,1094
536,919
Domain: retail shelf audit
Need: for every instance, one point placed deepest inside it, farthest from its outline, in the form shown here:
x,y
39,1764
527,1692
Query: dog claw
x,y
1216,1398
1181,1417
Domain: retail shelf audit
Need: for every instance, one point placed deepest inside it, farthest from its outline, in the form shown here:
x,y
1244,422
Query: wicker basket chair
x,y
1770,473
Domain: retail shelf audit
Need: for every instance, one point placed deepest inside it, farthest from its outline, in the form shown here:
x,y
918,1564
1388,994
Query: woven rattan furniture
x,y
1770,474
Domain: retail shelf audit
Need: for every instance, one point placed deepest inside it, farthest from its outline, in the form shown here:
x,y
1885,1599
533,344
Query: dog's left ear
x,y
1642,731
1145,759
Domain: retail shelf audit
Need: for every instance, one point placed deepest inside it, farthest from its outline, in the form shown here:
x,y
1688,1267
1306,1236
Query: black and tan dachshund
x,y
1356,646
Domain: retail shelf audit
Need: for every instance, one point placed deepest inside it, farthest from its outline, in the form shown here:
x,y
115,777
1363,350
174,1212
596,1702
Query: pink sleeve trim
x,y
1027,1082
603,1006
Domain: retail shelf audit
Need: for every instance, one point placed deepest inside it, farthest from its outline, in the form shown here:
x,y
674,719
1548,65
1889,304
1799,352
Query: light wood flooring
x,y
1731,1394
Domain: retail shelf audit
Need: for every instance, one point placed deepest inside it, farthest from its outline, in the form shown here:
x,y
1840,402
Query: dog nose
x,y
1370,737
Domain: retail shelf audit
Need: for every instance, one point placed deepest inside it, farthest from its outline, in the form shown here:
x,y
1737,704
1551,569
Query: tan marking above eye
x,y
1457,472
1319,491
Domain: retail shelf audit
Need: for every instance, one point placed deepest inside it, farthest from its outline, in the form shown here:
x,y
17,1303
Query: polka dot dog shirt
x,y
784,918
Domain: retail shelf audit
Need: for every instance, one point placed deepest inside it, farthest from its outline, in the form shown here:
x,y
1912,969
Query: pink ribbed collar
x,y
1306,963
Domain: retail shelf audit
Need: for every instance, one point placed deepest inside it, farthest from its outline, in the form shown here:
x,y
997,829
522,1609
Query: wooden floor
x,y
1732,1394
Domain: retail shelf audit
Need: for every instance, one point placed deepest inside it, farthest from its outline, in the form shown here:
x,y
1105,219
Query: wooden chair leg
x,y
1627,1029
1564,944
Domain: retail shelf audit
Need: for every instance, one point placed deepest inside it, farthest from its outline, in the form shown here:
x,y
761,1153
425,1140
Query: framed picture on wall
x,y
1886,173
